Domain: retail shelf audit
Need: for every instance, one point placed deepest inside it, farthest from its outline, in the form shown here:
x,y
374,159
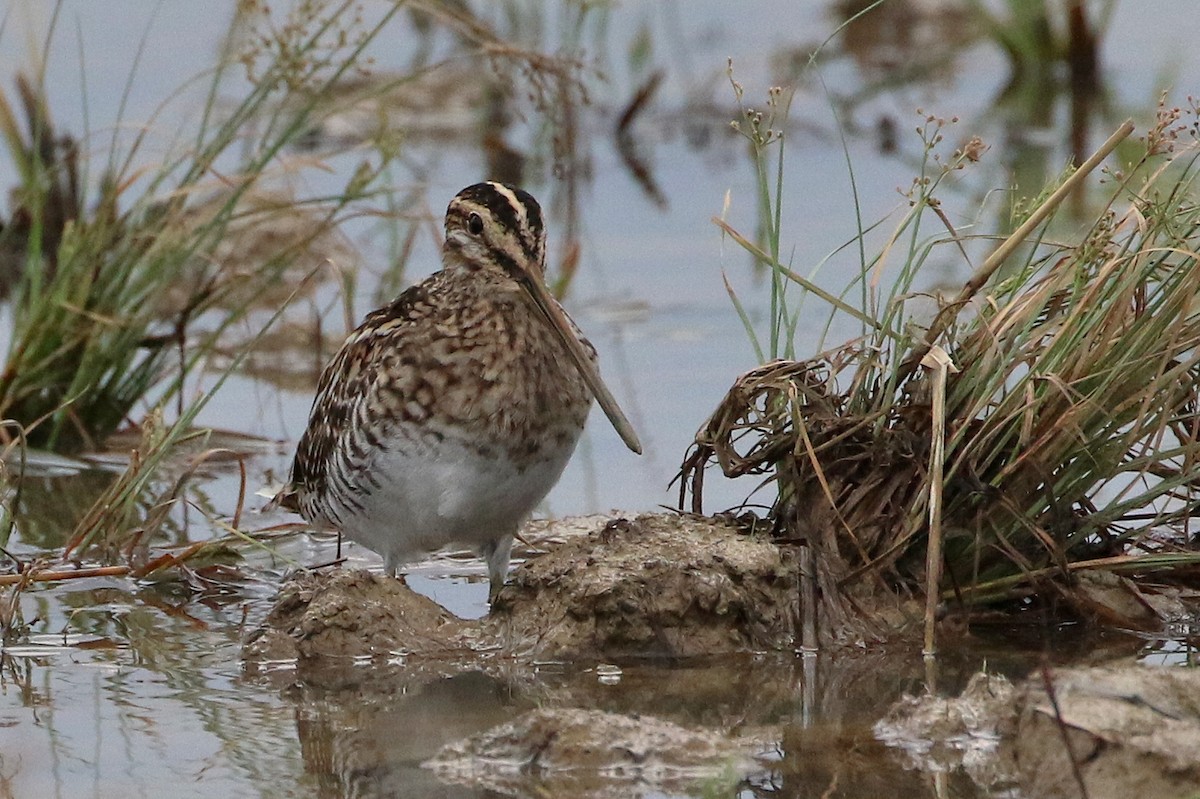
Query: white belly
x,y
434,494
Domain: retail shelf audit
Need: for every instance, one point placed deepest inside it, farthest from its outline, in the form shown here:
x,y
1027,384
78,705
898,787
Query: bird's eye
x,y
475,224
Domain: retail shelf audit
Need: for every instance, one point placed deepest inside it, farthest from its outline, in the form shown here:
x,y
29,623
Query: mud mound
x,y
353,614
943,734
589,753
1133,732
656,585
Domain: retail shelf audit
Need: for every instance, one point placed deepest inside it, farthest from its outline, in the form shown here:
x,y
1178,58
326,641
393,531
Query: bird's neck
x,y
479,275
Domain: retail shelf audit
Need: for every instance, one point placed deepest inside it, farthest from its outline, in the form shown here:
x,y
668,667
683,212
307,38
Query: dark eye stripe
x,y
507,263
532,234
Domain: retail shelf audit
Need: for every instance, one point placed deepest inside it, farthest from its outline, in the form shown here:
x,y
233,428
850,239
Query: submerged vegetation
x,y
1056,433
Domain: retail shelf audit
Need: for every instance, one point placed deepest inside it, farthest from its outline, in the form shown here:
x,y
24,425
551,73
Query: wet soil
x,y
658,585
956,732
603,590
1131,729
353,614
1117,730
668,588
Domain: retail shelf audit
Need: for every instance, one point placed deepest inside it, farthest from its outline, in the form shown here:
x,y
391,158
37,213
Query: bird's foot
x,y
494,590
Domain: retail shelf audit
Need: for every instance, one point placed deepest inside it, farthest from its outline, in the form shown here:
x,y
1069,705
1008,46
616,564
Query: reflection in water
x,y
49,506
1037,90
125,670
270,246
627,144
902,41
439,104
365,729
1053,54
369,735
132,689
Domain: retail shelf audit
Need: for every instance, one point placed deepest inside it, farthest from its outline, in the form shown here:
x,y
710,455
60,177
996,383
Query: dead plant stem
x,y
808,600
1052,695
69,574
937,361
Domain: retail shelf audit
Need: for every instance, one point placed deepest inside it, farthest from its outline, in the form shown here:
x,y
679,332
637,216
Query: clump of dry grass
x,y
108,295
1071,429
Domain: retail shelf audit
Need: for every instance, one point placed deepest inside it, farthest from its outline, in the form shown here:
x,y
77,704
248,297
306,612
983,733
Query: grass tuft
x,y
1071,428
110,296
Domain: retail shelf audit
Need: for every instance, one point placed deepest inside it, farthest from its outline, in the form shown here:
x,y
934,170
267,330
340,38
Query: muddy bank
x,y
354,614
658,585
1121,729
363,652
1132,730
959,733
594,602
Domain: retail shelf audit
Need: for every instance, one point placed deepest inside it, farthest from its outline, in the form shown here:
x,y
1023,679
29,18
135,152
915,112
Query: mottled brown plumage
x,y
449,413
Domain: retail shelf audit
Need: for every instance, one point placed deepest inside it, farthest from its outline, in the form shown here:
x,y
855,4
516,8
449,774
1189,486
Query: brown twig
x,y
809,641
50,576
1048,684
241,500
170,559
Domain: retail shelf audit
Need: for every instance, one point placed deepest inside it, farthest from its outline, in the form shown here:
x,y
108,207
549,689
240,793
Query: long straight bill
x,y
591,375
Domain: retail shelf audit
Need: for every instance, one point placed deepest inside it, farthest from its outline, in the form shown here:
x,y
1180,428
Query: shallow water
x,y
124,689
148,690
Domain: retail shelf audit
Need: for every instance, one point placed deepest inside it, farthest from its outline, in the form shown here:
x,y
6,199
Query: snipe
x,y
451,412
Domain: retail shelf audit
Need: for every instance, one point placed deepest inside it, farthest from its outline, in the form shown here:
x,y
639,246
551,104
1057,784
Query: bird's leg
x,y
391,567
496,553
